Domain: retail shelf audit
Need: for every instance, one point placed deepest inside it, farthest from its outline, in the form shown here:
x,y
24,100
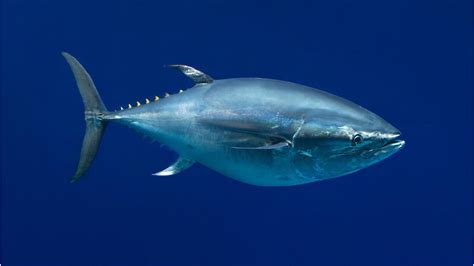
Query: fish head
x,y
344,141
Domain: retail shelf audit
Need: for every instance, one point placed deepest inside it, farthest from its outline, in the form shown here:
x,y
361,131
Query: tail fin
x,y
94,112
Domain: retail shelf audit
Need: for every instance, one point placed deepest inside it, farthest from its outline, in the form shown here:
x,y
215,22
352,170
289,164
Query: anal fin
x,y
180,165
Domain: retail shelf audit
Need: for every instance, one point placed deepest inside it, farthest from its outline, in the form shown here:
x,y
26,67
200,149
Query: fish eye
x,y
357,139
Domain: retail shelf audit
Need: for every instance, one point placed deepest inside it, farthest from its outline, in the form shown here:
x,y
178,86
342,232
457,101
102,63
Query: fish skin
x,y
207,122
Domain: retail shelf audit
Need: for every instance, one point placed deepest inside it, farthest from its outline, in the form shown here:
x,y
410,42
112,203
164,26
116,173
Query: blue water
x,y
408,61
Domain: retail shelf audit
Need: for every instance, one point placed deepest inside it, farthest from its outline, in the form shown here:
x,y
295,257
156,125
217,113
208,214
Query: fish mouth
x,y
390,147
394,144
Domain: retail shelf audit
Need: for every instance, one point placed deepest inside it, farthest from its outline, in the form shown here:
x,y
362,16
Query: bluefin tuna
x,y
258,131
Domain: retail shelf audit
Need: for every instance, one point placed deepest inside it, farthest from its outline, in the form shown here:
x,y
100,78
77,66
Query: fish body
x,y
258,131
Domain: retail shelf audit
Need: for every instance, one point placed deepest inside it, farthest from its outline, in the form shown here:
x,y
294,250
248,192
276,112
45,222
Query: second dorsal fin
x,y
197,76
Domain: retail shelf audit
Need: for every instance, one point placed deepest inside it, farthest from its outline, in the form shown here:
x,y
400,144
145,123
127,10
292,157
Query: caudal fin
x,y
94,111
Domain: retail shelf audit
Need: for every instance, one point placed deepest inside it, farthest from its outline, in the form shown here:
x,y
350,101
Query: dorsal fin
x,y
197,76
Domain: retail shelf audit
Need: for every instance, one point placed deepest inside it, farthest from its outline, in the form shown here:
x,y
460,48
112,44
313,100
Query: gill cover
x,y
94,110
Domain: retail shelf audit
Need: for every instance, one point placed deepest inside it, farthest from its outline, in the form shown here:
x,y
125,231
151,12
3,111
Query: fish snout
x,y
391,141
392,135
386,129
386,138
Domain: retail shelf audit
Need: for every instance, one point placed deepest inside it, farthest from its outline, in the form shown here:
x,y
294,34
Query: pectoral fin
x,y
279,145
180,165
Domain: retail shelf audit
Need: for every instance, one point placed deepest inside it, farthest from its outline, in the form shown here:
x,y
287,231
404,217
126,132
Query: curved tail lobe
x,y
94,111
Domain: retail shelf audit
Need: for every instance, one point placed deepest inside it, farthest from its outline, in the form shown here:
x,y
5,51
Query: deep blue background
x,y
408,61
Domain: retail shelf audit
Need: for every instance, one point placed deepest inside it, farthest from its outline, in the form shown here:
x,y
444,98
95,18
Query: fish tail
x,y
94,112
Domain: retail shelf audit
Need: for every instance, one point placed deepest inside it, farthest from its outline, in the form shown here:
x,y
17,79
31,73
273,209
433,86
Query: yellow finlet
x,y
180,91
138,103
147,101
167,95
157,98
121,108
129,106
